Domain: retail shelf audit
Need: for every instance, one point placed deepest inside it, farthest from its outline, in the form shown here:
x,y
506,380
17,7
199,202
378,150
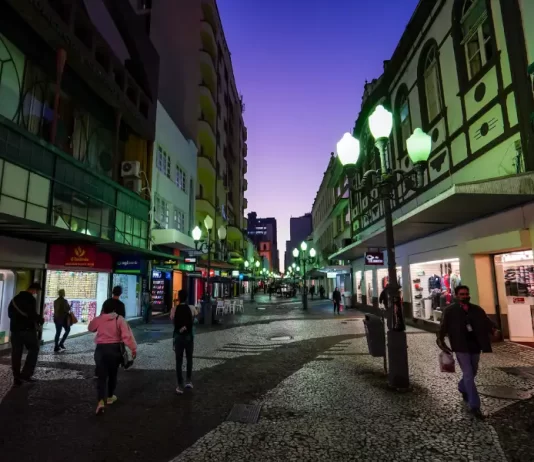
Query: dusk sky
x,y
301,66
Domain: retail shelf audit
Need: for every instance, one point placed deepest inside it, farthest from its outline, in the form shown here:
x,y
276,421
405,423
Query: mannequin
x,y
455,280
434,282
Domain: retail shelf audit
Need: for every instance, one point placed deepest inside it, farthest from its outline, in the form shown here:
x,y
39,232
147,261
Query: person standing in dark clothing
x,y
384,297
61,320
113,304
25,325
183,341
321,292
336,297
469,330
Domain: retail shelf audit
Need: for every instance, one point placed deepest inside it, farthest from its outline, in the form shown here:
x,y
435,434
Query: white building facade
x,y
460,73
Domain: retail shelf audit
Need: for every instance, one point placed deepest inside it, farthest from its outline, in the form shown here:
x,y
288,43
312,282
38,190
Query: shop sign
x,y
191,260
224,274
195,274
185,267
331,275
128,266
168,264
80,256
519,300
374,258
235,273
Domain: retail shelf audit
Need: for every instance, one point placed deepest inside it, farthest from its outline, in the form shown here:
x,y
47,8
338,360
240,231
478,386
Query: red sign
x,y
374,258
519,300
80,256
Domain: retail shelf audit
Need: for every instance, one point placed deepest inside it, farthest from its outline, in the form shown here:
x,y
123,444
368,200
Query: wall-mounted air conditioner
x,y
133,184
130,168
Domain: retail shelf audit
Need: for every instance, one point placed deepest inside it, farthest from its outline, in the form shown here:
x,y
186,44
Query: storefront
x,y
161,291
21,263
432,287
358,279
514,275
130,274
84,274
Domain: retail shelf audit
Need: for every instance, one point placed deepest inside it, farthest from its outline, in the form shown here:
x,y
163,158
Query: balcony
x,y
206,140
245,167
208,109
207,38
207,71
245,203
209,12
66,25
245,150
245,185
45,186
172,238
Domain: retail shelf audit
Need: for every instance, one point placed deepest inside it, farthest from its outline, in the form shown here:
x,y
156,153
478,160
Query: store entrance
x,y
85,292
7,292
514,274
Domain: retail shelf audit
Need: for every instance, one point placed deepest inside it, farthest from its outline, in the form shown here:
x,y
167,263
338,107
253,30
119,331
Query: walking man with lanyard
x,y
469,330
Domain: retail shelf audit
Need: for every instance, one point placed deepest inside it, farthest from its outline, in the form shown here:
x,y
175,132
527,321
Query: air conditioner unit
x,y
130,168
133,184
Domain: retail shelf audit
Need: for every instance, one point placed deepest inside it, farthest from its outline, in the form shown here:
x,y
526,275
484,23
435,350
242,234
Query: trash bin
x,y
347,301
376,338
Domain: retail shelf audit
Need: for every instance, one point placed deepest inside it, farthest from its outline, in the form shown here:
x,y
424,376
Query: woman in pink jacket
x,y
111,330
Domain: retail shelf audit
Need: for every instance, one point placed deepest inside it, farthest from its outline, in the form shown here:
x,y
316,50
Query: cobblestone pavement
x,y
323,398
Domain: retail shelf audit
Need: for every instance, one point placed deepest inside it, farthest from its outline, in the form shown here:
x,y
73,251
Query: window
x,y
403,120
163,162
476,36
180,179
162,212
179,219
432,84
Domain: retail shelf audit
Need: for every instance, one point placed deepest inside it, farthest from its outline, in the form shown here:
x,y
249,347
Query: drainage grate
x,y
244,413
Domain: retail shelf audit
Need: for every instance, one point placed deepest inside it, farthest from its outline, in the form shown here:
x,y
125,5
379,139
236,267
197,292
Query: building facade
x,y
459,72
300,229
72,111
264,230
198,89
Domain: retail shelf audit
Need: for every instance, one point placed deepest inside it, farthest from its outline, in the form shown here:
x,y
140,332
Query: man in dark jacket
x,y
183,341
336,297
25,325
116,305
469,330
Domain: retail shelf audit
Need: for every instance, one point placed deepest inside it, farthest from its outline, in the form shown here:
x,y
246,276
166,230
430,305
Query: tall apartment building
x,y
300,229
198,90
264,230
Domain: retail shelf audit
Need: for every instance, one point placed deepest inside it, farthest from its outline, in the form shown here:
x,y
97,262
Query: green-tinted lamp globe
x,y
294,264
247,264
303,246
419,146
298,268
257,264
380,122
197,233
208,222
313,253
295,253
348,150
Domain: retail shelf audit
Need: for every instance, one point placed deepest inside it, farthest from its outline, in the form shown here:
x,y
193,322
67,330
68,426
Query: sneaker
x,y
189,385
100,408
464,396
111,400
56,350
179,391
29,379
477,414
62,347
17,383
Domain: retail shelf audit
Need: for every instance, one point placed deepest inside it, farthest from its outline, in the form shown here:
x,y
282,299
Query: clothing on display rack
x,y
434,282
519,281
455,281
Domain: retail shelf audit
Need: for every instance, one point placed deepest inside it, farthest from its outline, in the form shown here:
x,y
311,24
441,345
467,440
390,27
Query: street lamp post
x,y
386,180
305,257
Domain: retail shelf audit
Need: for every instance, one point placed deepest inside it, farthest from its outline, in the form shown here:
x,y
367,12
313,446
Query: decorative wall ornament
x,y
485,128
437,162
480,92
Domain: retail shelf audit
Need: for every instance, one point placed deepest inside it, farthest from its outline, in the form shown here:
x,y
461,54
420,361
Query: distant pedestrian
x,y
114,304
62,320
384,297
183,340
312,291
336,298
147,313
321,292
25,325
469,330
111,330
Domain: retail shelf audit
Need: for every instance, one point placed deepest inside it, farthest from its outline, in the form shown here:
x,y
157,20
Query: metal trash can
x,y
376,338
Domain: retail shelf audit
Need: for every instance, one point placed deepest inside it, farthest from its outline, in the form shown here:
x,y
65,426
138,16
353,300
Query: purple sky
x,y
301,66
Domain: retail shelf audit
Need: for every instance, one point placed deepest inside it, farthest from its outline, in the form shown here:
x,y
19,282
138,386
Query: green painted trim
x,y
126,272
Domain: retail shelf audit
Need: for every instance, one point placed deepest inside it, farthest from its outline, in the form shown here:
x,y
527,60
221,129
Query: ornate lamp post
x,y
208,246
304,257
385,181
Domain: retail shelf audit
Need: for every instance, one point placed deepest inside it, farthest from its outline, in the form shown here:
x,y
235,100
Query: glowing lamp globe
x,y
419,146
348,150
303,246
208,222
197,233
380,122
294,264
247,264
298,268
313,253
257,264
295,253
221,232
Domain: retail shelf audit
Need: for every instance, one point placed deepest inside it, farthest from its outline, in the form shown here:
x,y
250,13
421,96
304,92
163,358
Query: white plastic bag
x,y
446,362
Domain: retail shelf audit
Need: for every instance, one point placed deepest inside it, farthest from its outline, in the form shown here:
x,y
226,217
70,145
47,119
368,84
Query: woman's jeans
x,y
59,326
107,358
183,343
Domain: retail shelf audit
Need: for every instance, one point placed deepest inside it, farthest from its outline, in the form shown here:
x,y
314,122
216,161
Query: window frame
x,y
402,99
429,67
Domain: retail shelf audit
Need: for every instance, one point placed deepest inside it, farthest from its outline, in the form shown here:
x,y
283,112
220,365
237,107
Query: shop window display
x,y
130,293
369,289
383,278
358,280
433,285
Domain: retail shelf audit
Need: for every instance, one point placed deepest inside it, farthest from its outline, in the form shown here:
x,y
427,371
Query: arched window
x,y
474,32
402,119
430,84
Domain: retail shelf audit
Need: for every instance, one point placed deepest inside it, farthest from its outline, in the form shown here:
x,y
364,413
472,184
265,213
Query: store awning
x,y
456,206
21,228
